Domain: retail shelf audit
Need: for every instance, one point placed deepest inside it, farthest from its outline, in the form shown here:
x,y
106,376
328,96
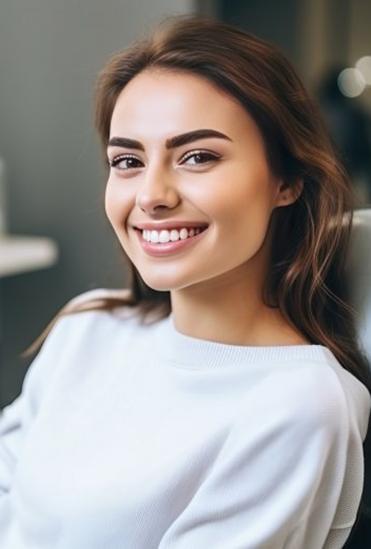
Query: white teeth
x,y
166,236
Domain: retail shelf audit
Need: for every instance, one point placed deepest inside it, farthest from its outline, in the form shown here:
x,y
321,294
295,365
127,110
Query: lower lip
x,y
167,248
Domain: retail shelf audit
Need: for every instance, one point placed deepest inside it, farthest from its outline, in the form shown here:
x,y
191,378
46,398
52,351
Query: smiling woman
x,y
220,400
227,186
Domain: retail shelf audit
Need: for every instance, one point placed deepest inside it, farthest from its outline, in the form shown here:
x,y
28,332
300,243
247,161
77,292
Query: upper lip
x,y
169,225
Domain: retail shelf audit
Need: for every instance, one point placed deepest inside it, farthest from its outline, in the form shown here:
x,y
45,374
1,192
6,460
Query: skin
x,y
216,284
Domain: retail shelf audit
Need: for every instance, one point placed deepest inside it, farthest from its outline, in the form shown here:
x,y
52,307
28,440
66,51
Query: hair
x,y
306,276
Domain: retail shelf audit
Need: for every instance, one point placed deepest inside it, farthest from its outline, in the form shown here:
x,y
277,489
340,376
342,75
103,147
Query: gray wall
x,y
275,21
50,53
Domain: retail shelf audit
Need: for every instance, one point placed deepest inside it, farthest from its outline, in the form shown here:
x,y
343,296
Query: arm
x,y
278,478
10,424
16,418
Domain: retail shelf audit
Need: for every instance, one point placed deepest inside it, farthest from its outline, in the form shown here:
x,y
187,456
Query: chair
x,y
358,272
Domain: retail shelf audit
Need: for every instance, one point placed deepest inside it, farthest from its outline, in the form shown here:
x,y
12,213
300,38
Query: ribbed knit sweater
x,y
137,436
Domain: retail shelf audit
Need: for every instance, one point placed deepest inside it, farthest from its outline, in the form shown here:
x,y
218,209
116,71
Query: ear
x,y
288,194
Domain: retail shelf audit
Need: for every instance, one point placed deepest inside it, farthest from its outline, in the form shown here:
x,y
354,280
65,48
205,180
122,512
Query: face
x,y
223,181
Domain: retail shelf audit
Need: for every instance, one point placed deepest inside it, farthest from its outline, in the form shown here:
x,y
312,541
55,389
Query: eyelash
x,y
113,163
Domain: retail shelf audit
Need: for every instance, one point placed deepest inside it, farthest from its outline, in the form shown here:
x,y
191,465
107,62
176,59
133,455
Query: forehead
x,y
166,101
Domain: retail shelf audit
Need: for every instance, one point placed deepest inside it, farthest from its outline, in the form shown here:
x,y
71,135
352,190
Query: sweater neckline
x,y
177,348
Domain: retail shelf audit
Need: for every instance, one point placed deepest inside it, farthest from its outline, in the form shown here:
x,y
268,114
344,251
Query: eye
x,y
122,158
208,157
202,156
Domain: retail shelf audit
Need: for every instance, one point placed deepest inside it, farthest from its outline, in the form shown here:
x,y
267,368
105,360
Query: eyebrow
x,y
172,142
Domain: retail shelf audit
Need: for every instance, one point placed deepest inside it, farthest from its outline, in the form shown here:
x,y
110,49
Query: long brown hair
x,y
306,278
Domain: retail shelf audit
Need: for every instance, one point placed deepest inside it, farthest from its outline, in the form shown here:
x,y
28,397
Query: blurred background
x,y
55,241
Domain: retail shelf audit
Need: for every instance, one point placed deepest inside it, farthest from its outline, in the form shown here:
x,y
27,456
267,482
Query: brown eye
x,y
116,162
200,157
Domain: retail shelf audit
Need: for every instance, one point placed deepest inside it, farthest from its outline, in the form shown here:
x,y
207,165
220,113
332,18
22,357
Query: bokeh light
x,y
351,82
364,66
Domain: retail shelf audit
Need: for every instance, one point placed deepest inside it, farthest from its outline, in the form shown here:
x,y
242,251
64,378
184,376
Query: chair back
x,y
358,273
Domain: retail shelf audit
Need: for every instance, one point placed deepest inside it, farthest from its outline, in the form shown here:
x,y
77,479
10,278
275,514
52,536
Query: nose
x,y
158,190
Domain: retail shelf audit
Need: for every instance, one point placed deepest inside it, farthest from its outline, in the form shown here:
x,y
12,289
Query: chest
x,y
129,463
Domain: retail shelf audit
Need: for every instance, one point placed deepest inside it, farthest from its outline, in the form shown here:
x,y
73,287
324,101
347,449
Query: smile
x,y
164,242
172,235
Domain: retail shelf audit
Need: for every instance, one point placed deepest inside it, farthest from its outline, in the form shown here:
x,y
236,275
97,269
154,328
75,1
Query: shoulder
x,y
82,334
297,415
82,330
304,397
84,317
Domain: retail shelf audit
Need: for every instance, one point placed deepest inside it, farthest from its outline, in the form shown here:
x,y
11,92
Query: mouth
x,y
159,249
195,230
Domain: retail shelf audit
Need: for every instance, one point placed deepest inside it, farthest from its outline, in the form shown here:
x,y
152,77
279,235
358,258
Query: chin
x,y
163,285
158,285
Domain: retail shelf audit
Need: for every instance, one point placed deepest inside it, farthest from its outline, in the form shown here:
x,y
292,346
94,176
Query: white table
x,y
21,253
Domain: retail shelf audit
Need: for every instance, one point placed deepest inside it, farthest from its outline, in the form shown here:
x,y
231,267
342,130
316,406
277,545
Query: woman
x,y
221,400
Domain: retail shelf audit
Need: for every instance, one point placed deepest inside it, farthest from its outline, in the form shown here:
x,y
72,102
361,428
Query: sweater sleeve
x,y
278,478
16,419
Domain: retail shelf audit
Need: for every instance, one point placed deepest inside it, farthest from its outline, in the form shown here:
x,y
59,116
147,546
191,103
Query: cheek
x,y
244,216
116,202
243,203
109,203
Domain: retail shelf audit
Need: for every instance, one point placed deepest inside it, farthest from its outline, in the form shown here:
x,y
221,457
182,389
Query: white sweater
x,y
130,436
